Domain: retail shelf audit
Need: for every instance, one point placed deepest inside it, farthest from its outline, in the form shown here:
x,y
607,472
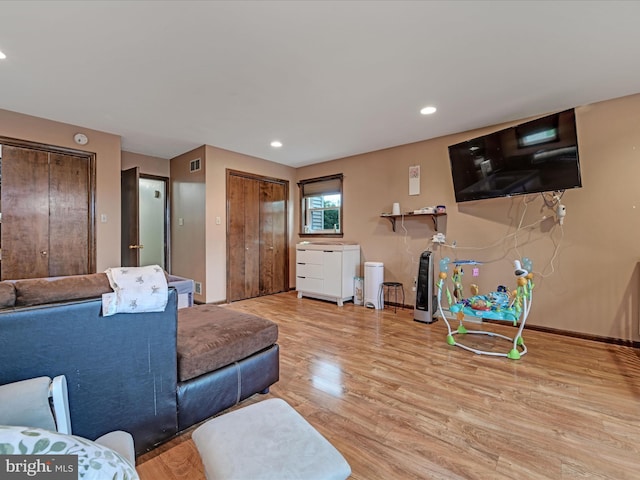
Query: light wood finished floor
x,y
400,403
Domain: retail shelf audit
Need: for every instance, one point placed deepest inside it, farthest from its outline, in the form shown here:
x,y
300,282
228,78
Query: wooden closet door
x,y
273,254
257,245
243,237
47,209
68,215
25,213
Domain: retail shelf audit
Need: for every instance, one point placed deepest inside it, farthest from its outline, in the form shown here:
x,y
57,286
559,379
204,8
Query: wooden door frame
x,y
91,182
127,221
230,172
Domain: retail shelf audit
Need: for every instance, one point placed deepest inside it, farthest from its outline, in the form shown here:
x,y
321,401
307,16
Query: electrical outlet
x,y
438,238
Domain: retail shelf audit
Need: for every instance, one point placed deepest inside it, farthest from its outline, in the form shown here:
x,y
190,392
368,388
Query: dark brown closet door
x,y
244,238
273,243
256,236
47,213
25,213
68,215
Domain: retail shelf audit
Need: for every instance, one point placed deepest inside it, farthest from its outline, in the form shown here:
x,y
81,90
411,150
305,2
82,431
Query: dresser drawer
x,y
309,270
309,256
311,285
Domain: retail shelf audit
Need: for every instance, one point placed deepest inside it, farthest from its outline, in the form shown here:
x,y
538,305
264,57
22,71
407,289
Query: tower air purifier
x,y
424,290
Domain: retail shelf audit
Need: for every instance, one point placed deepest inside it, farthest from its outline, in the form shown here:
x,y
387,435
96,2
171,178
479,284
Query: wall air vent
x,y
194,165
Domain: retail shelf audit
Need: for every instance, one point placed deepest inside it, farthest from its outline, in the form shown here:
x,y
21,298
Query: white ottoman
x,y
267,440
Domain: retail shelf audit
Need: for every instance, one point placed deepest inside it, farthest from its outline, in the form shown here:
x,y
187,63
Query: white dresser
x,y
327,270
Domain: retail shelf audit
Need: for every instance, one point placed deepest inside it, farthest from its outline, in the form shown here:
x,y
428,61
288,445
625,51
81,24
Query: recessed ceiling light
x,y
428,110
2,56
276,144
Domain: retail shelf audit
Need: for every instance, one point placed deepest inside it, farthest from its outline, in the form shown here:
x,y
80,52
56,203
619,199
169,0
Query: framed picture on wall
x,y
414,180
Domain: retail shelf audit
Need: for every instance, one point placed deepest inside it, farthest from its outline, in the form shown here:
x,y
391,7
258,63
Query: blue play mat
x,y
494,306
507,314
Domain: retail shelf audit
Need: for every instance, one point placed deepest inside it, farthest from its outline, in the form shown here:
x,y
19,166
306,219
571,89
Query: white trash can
x,y
373,278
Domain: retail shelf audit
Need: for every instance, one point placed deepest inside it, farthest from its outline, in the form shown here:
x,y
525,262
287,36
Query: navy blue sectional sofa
x,y
123,370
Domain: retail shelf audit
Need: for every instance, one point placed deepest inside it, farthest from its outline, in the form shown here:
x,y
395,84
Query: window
x,y
321,206
536,132
544,136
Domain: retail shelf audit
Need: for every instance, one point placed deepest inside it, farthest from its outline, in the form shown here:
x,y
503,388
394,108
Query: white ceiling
x,y
329,79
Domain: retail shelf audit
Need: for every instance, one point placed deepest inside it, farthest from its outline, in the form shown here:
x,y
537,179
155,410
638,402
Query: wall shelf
x,y
392,218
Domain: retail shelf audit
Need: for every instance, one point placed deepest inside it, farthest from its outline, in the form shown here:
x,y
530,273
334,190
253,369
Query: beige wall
x,y
148,165
587,276
218,161
107,150
199,247
188,219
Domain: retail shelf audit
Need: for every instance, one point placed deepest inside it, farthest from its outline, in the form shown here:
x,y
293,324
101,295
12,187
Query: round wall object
x,y
80,139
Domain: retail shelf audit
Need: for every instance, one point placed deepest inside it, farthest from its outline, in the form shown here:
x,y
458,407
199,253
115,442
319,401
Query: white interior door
x,y
152,201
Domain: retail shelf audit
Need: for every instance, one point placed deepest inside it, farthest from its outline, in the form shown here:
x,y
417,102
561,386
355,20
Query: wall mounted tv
x,y
536,156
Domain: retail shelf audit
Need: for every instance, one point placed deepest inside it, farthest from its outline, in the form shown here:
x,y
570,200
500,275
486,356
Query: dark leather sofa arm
x,y
121,370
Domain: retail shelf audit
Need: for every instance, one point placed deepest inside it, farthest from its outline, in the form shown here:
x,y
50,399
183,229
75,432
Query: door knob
x,y
131,247
43,253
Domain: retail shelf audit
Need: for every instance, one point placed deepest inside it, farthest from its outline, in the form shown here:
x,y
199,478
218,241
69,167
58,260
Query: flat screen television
x,y
533,157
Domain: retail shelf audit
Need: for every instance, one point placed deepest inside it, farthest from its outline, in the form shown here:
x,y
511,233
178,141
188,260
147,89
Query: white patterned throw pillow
x,y
95,462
